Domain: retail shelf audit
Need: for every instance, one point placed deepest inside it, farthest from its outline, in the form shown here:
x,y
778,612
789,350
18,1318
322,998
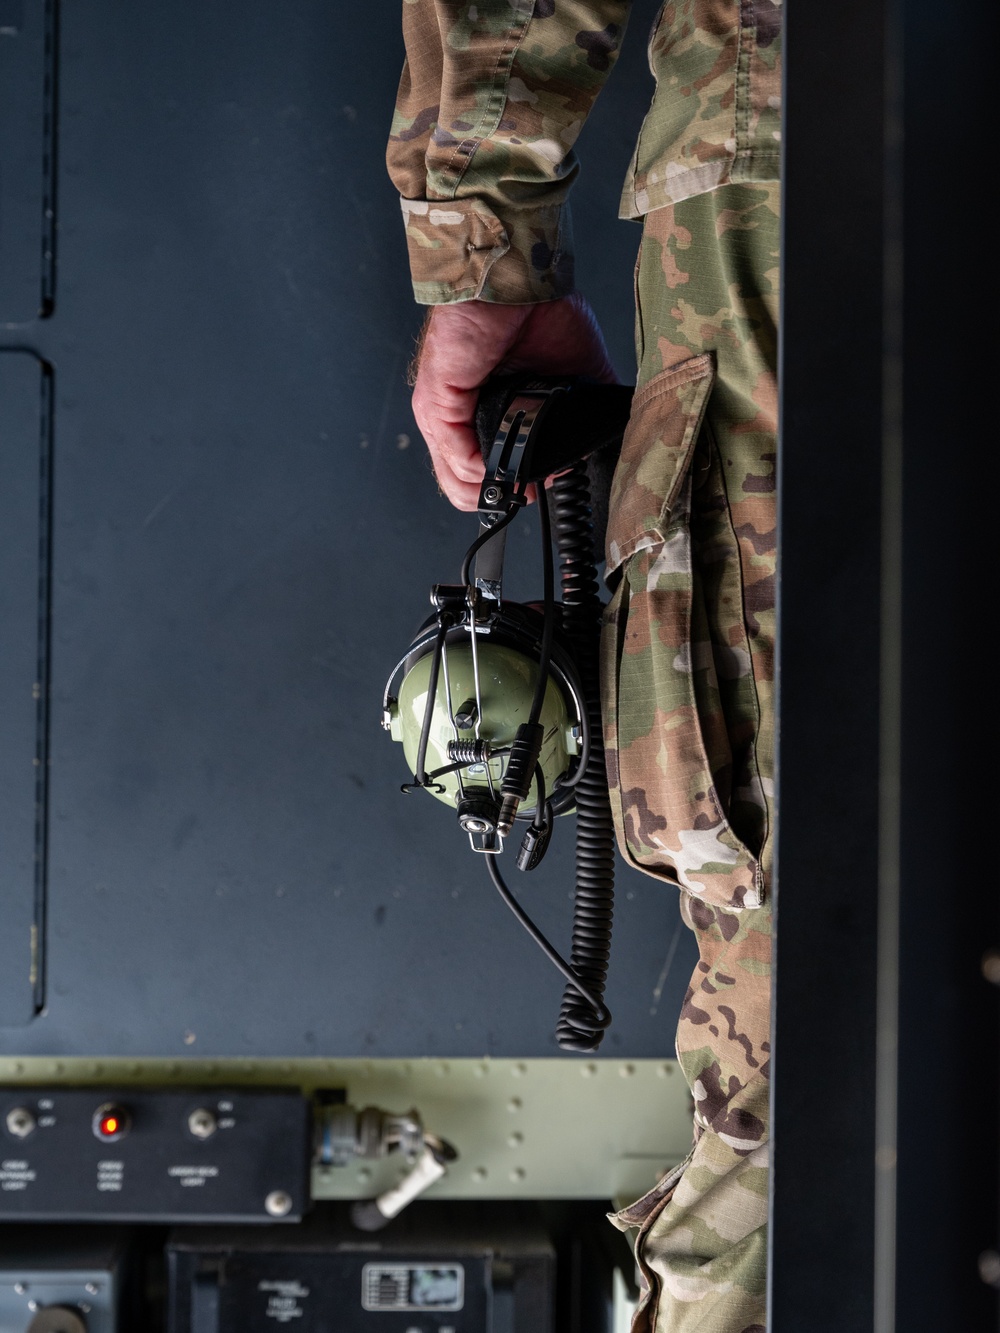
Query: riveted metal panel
x,y
524,1129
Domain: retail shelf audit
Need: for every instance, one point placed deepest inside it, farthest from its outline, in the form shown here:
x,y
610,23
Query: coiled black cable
x,y
593,908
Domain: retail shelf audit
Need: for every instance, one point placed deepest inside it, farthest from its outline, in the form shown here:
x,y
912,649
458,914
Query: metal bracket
x,y
505,484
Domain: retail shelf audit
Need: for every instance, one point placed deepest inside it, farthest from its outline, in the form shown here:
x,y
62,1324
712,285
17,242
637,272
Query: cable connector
x,y
430,1166
534,845
519,773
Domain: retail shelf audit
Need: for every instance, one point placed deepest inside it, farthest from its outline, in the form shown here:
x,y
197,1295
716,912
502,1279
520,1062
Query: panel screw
x,y
278,1203
991,966
491,494
91,1288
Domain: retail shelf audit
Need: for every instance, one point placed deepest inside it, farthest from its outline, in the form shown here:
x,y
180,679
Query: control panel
x,y
207,1155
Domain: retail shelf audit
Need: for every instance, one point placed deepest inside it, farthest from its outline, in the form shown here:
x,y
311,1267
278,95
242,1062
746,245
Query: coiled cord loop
x,y
580,1028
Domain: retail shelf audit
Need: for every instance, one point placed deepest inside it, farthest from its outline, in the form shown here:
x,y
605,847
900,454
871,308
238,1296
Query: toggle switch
x,y
21,1122
202,1123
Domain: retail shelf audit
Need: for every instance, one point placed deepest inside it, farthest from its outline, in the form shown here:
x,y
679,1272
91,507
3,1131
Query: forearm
x,y
490,103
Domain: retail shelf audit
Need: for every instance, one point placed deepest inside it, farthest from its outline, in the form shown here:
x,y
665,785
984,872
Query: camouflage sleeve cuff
x,y
461,251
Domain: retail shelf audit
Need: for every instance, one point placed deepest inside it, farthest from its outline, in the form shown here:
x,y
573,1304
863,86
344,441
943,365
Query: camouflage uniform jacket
x,y
492,99
494,94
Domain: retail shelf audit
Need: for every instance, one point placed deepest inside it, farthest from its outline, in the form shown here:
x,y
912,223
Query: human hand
x,y
462,345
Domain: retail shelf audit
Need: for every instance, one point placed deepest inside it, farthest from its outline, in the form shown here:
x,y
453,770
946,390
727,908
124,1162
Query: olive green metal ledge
x,y
538,1129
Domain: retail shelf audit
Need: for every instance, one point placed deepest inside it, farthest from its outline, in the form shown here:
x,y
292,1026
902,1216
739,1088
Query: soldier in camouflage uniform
x,y
491,101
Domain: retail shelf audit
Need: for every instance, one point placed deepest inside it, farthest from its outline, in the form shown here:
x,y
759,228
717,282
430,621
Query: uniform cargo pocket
x,y
668,752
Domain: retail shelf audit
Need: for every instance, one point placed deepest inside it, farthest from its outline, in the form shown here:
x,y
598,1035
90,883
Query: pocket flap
x,y
659,440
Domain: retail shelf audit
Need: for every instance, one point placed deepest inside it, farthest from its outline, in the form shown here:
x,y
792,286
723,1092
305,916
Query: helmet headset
x,y
495,702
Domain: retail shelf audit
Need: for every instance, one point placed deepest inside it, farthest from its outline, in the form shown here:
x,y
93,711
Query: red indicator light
x,y
111,1122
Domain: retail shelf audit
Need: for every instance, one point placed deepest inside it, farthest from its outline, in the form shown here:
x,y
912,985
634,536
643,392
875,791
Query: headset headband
x,y
505,485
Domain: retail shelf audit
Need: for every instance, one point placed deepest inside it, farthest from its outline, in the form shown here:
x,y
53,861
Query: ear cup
x,y
507,658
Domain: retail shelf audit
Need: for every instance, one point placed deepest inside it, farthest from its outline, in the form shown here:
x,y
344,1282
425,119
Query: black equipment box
x,y
64,1281
127,1154
438,1268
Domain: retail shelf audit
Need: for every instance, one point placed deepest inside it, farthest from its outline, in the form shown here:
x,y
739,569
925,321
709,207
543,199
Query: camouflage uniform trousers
x,y
688,696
